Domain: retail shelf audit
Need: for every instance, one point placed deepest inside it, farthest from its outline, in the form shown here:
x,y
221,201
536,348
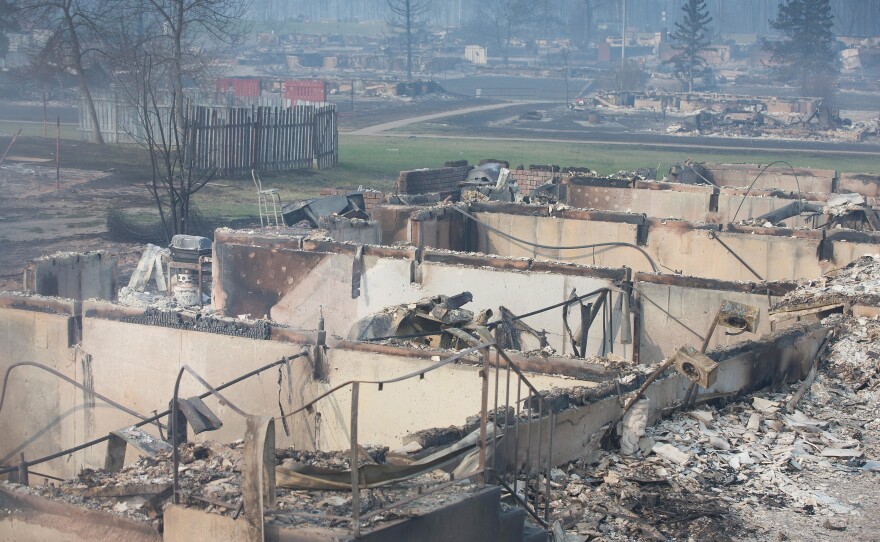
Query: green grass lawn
x,y
368,159
375,161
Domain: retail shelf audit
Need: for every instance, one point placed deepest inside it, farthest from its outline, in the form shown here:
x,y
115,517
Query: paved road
x,y
377,129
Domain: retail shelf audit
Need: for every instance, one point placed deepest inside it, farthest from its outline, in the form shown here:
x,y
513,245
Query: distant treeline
x,y
852,17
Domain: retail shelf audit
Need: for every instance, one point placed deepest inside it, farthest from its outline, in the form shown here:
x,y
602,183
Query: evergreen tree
x,y
691,40
807,52
408,16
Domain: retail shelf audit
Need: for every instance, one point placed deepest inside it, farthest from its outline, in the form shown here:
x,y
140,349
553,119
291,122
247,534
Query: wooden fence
x,y
233,139
236,140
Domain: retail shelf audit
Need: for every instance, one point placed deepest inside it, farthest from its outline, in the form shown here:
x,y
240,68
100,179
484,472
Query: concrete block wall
x,y
423,181
72,275
372,198
528,179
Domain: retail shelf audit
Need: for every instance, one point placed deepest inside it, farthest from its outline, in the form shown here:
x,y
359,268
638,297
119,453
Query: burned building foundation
x,y
476,362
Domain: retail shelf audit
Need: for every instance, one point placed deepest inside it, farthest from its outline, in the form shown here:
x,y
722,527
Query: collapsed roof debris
x,y
429,321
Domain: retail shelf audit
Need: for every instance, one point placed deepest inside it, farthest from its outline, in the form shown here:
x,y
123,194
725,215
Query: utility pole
x,y
623,41
623,51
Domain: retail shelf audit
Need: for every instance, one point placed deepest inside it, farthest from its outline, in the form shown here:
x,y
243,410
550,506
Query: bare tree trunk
x,y
177,72
409,40
81,76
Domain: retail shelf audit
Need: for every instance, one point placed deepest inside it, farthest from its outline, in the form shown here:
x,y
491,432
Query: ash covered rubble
x,y
211,480
783,453
850,211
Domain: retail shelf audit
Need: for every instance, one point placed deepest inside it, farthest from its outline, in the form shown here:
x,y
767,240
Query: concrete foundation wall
x,y
781,177
28,518
687,248
681,202
391,277
39,409
387,281
136,365
752,207
859,183
673,246
672,316
356,231
784,356
71,275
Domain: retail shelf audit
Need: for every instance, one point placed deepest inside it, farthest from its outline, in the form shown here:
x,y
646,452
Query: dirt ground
x,y
41,214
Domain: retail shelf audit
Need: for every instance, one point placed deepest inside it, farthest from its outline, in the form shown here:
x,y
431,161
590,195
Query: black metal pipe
x,y
712,235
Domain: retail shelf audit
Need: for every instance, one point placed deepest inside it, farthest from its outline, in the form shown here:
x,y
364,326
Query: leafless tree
x,y
190,27
508,18
143,74
408,16
73,43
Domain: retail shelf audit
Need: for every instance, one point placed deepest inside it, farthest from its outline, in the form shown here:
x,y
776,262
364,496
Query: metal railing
x,y
518,462
521,448
520,444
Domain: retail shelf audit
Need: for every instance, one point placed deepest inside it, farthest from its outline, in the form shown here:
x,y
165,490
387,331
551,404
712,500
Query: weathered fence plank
x,y
264,135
